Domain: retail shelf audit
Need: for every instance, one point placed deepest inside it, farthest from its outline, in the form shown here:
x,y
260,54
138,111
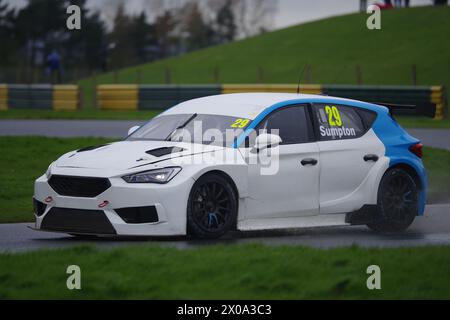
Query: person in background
x,y
387,4
406,3
362,5
54,66
397,3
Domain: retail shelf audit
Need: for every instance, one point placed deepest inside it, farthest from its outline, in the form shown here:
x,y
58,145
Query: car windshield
x,y
193,128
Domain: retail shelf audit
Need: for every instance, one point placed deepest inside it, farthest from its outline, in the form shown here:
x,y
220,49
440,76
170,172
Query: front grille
x,y
138,215
77,221
85,187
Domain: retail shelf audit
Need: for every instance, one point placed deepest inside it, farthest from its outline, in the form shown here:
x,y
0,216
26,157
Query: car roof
x,y
250,105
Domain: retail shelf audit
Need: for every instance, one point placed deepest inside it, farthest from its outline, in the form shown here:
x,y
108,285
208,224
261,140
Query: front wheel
x,y
212,207
397,202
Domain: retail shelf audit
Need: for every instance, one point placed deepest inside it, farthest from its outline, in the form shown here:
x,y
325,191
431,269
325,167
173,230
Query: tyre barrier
x,y
148,97
39,97
161,97
3,97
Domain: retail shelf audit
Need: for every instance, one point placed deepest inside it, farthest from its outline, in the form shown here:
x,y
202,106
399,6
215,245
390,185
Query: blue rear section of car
x,y
397,142
395,139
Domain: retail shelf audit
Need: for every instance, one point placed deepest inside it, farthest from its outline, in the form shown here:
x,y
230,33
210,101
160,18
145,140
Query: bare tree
x,y
254,16
108,11
155,8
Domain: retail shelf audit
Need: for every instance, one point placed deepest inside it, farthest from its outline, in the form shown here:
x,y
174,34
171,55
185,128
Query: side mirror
x,y
264,141
133,130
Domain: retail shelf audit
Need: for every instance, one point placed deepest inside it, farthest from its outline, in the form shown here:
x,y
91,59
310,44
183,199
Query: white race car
x,y
253,161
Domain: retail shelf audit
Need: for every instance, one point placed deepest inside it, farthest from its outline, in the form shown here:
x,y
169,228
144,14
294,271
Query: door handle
x,y
371,157
309,162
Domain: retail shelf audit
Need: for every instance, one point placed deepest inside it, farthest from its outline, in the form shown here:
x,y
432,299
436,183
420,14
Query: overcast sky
x,y
290,12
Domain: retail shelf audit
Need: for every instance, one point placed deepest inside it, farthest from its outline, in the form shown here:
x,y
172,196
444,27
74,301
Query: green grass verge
x,y
28,157
411,122
437,163
333,47
232,272
23,160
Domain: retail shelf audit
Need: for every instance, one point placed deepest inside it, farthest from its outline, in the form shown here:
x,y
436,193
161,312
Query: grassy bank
x,y
231,272
333,47
28,157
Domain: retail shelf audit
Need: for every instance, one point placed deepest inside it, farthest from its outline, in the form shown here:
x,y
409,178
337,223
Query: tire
x,y
212,207
398,202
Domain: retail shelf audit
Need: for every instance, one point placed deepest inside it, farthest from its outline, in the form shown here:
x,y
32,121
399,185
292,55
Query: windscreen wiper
x,y
182,126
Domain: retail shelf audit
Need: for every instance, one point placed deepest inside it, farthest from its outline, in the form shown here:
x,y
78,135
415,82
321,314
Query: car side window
x,y
368,117
291,122
336,122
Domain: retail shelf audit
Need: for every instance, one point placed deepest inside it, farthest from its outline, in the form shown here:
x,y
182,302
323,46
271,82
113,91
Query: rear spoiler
x,y
422,110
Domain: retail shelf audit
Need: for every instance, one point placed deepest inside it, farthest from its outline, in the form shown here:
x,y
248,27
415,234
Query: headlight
x,y
153,176
48,172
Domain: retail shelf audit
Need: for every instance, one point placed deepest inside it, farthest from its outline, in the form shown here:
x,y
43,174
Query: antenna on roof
x,y
300,76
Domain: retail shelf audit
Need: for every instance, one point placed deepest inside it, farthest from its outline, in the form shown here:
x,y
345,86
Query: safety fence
x,y
42,97
145,97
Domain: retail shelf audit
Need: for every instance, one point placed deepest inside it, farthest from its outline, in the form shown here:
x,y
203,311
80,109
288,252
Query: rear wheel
x,y
397,202
212,207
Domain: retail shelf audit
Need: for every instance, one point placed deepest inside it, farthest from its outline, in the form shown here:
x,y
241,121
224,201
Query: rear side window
x,y
336,122
368,117
292,123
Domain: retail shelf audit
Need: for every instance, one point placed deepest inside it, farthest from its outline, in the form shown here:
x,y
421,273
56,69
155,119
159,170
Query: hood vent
x,y
164,151
91,148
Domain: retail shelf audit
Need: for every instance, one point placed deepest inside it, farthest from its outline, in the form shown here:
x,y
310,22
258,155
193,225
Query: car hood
x,y
125,155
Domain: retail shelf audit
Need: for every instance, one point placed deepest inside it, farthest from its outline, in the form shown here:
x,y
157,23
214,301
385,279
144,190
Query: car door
x,y
289,186
348,152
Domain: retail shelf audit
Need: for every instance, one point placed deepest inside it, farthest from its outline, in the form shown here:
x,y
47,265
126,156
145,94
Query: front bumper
x,y
79,215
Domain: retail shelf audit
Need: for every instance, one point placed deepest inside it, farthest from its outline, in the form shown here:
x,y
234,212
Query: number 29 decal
x,y
334,116
240,123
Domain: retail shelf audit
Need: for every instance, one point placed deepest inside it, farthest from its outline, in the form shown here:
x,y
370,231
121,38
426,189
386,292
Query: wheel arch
x,y
411,171
225,176
232,183
419,179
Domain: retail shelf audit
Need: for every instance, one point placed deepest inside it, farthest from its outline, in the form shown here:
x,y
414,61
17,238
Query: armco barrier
x,y
42,97
145,97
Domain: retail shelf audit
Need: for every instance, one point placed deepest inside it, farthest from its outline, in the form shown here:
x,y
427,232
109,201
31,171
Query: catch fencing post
x,y
138,76
167,75
94,90
414,74
216,75
308,73
260,75
358,75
